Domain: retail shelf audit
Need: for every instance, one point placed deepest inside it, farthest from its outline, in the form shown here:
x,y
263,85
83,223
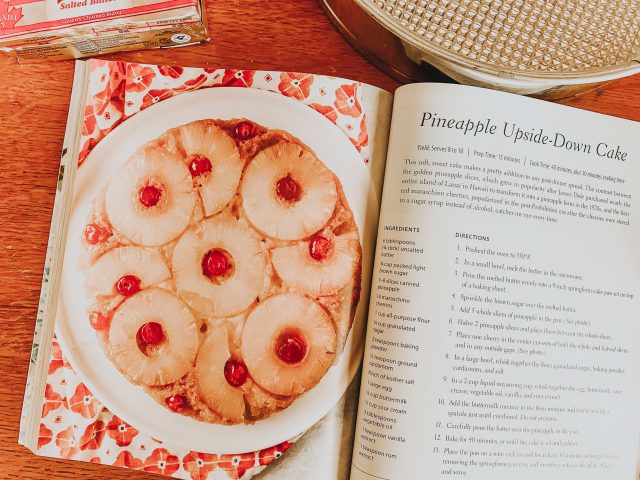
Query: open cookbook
x,y
247,265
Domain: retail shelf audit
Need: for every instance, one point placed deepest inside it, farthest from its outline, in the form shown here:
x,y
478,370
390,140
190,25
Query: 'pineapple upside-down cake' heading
x,y
223,265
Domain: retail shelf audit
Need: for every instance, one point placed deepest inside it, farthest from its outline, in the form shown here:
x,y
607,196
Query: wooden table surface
x,y
278,35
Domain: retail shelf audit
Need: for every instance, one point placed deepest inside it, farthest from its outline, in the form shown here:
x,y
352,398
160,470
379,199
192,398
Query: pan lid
x,y
534,38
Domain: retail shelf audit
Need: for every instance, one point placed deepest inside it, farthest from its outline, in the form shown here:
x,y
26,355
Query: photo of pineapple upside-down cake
x,y
223,268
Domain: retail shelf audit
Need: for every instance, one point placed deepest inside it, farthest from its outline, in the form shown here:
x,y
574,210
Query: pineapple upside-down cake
x,y
223,266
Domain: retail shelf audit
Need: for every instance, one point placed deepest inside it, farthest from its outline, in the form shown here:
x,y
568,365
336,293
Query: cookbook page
x,y
502,336
212,272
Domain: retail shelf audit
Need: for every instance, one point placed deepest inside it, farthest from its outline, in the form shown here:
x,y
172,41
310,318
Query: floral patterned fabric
x,y
119,90
75,425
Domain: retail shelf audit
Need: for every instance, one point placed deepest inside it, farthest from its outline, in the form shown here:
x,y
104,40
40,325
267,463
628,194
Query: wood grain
x,y
279,35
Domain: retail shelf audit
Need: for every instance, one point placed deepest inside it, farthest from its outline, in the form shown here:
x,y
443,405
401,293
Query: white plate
x,y
79,341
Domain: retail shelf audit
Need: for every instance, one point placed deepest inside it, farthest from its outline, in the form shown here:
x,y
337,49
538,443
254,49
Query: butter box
x,y
61,29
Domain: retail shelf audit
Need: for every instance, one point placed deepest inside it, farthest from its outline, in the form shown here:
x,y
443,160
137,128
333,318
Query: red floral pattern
x,y
173,72
237,465
139,78
155,96
44,436
117,98
127,459
295,85
268,455
89,124
121,432
199,465
106,98
66,442
326,110
56,358
123,89
84,403
237,78
162,462
347,101
52,400
363,137
193,84
92,142
93,436
112,95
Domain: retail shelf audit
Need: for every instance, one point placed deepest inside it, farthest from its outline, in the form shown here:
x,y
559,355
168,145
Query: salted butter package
x,y
61,29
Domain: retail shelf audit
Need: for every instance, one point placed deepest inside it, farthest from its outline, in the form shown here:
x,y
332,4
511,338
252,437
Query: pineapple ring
x,y
312,188
171,209
224,399
266,322
174,358
217,186
145,264
235,292
298,269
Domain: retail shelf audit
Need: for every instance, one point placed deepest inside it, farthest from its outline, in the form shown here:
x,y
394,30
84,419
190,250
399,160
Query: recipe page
x,y
502,336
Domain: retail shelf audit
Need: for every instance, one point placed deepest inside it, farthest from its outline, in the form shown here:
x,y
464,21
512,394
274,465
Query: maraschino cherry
x,y
288,189
128,285
319,247
244,130
177,402
216,263
235,372
151,333
99,321
150,195
199,165
290,348
92,233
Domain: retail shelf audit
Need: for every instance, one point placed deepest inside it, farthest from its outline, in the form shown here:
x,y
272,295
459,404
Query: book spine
x,y
47,305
